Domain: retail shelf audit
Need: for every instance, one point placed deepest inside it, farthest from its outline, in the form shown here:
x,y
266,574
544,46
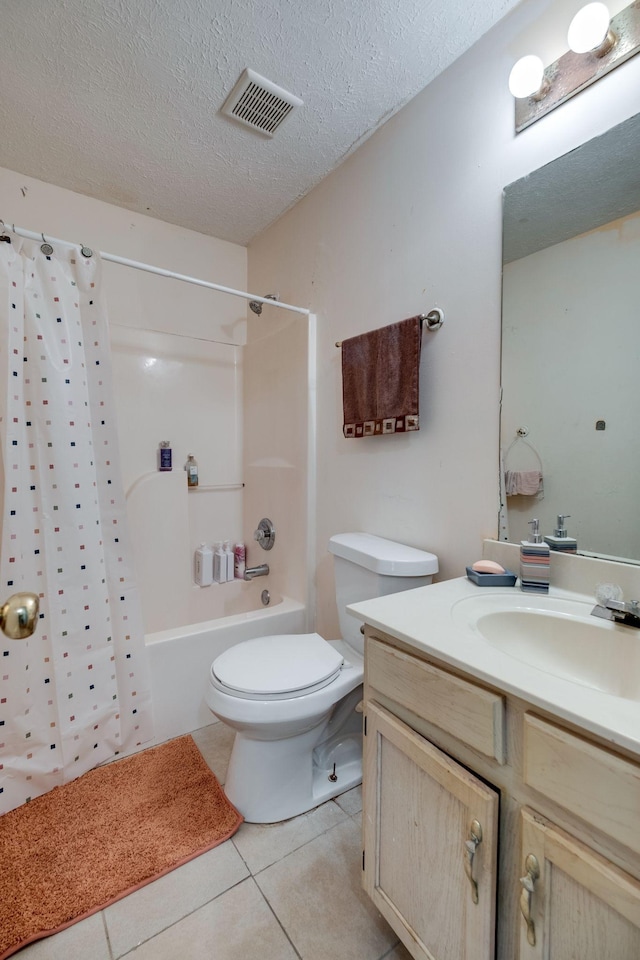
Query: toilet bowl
x,y
293,700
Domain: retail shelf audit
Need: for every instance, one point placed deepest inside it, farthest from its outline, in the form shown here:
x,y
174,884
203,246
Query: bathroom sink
x,y
559,637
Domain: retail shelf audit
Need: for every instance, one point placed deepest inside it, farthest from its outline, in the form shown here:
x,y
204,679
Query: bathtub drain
x,y
265,596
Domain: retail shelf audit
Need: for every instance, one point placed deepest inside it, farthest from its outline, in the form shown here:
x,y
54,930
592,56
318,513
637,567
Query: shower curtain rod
x,y
161,272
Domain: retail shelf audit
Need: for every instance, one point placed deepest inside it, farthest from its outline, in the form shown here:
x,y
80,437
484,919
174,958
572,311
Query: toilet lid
x,y
278,665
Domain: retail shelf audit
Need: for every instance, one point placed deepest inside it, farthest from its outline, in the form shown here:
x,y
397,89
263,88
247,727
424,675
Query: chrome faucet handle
x,y
624,606
265,534
611,606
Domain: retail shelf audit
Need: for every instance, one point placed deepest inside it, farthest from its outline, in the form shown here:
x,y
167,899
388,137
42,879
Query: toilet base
x,y
270,781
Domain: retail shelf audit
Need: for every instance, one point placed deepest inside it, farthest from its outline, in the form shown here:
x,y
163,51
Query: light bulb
x,y
589,28
526,77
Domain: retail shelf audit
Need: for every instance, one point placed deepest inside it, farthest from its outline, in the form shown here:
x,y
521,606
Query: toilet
x,y
294,700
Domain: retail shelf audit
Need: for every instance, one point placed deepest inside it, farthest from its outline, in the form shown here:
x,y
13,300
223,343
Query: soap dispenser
x,y
534,561
561,541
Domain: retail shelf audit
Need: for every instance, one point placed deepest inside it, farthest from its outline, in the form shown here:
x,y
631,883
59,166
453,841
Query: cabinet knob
x,y
532,868
470,847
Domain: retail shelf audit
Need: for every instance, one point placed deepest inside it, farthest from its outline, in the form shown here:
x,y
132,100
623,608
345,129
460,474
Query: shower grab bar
x,y
205,488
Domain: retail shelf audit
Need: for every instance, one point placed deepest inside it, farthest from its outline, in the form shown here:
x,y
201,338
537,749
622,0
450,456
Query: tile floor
x,y
286,891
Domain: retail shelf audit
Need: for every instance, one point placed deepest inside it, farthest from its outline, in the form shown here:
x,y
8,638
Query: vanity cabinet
x,y
430,844
578,905
463,783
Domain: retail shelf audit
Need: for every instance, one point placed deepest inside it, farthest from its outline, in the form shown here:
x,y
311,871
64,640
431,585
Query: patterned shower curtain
x,y
76,692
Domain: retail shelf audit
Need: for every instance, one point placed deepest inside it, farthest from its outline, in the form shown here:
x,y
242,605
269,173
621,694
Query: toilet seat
x,y
277,668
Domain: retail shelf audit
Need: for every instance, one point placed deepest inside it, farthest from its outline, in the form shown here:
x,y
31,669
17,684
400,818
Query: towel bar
x,y
432,321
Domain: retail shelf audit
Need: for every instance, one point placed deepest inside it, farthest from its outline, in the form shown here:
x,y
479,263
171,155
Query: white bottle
x,y
219,564
229,559
203,566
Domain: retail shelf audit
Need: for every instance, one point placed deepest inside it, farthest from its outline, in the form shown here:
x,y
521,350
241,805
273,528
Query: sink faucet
x,y
262,570
620,611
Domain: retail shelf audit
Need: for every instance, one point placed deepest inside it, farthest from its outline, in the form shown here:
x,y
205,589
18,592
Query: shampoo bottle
x,y
534,562
191,466
203,566
219,564
164,455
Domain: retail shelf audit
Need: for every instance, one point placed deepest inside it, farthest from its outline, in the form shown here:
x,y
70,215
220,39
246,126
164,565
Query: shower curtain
x,y
76,692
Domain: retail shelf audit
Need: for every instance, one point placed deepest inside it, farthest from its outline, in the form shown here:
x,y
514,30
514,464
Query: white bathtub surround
x,y
87,693
189,392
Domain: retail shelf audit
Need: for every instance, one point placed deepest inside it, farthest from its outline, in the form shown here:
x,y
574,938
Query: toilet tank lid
x,y
383,556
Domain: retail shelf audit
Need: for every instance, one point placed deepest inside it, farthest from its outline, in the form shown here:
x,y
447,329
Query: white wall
x,y
173,385
409,221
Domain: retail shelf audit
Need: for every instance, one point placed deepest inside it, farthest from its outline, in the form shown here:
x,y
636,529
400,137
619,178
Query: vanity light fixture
x,y
597,44
589,30
527,78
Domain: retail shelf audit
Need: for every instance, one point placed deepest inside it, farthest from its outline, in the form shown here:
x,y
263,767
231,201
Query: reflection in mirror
x,y
571,347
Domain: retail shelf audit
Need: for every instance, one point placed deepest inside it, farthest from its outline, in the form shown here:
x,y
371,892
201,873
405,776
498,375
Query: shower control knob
x,y
265,534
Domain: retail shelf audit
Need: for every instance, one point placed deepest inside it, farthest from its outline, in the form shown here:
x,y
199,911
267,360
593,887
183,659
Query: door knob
x,y
19,615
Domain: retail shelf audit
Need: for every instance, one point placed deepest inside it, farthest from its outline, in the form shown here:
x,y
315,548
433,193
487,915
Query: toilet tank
x,y
367,566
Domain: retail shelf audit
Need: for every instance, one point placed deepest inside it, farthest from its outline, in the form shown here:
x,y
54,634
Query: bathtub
x,y
179,661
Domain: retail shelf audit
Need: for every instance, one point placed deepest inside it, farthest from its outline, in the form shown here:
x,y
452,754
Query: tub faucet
x,y
262,570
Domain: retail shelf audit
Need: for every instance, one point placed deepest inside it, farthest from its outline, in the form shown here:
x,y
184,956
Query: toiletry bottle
x,y
191,466
240,561
561,541
229,559
164,455
203,566
534,562
219,564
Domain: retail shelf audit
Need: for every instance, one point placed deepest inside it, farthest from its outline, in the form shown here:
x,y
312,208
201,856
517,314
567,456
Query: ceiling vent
x,y
259,103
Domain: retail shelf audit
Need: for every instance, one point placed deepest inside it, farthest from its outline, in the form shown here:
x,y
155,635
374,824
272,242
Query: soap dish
x,y
506,579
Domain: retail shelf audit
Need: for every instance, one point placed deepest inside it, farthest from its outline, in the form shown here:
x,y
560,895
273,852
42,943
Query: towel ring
x,y
520,439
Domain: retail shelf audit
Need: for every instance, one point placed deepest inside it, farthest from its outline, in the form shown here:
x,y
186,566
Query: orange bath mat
x,y
75,850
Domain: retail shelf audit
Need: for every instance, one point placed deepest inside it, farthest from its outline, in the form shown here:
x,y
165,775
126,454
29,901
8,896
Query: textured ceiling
x,y
593,185
120,99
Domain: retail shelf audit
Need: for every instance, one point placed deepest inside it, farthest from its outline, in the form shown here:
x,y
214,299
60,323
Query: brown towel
x,y
380,380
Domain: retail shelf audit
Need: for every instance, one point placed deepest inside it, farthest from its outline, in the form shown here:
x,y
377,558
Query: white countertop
x,y
426,619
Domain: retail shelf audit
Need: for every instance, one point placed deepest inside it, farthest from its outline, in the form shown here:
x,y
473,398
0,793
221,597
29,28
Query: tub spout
x,y
262,570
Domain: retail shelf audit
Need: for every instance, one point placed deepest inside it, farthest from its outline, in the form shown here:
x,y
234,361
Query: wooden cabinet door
x,y
431,880
579,905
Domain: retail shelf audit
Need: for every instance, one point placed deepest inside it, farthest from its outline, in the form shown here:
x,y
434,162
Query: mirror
x,y
571,347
